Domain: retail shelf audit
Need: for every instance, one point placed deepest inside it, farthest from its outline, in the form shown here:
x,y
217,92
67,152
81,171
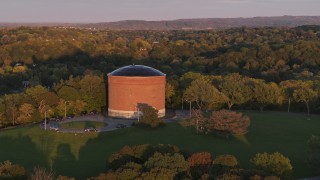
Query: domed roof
x,y
136,70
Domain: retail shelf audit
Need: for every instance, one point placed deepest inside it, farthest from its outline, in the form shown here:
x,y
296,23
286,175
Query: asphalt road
x,y
112,122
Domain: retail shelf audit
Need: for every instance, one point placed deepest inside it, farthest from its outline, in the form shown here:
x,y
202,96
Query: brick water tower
x,y
132,85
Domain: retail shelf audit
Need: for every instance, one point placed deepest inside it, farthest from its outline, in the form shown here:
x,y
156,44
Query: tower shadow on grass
x,y
64,160
24,147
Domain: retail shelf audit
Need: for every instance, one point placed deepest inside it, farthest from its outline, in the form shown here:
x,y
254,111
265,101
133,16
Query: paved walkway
x,y
112,122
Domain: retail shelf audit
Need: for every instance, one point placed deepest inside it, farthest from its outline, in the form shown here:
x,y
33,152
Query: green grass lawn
x,y
85,155
82,125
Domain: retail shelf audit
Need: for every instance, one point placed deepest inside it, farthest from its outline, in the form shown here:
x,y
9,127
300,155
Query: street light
x,y
45,119
138,113
182,103
65,109
190,108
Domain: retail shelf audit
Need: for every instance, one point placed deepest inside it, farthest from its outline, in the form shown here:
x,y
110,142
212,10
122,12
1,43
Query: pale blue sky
x,y
114,10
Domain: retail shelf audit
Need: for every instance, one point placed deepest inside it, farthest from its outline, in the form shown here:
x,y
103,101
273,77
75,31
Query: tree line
x,y
75,96
206,92
169,162
235,91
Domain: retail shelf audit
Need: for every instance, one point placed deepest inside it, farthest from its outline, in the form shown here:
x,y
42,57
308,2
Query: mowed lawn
x,y
82,125
85,155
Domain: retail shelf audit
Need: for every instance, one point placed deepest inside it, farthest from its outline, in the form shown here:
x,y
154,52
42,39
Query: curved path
x,y
113,122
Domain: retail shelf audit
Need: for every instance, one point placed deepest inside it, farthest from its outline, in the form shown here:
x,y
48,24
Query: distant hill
x,y
189,24
210,23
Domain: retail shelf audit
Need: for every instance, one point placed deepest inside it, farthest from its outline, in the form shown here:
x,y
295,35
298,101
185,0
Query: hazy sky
x,y
114,10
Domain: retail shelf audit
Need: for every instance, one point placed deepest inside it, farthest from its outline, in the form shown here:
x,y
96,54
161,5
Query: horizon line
x,y
92,22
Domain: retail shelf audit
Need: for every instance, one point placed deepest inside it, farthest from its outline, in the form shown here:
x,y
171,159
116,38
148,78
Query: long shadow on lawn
x,y
26,148
64,159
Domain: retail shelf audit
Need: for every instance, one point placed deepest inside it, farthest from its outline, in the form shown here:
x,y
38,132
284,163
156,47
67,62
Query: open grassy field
x,y
82,125
84,155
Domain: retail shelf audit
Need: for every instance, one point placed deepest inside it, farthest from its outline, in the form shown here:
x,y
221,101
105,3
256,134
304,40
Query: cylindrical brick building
x,y
133,85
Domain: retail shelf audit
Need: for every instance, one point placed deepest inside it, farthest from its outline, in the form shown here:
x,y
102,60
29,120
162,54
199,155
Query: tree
x,y
50,98
236,89
160,52
63,108
203,93
26,111
199,120
199,164
93,92
42,173
225,167
78,106
275,163
70,107
226,121
2,120
288,88
187,78
140,48
11,106
174,163
149,116
266,94
8,170
68,93
304,93
170,91
130,170
36,94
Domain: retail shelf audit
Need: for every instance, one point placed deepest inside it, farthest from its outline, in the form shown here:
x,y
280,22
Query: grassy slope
x,y
84,155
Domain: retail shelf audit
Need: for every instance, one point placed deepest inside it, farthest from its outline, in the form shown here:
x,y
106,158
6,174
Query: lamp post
x,y
182,103
190,108
65,109
138,113
45,119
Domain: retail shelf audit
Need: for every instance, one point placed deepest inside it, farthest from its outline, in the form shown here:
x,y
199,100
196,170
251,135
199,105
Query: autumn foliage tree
x,y
266,94
203,93
200,164
2,120
226,121
226,160
147,162
42,173
304,93
235,88
26,112
8,170
275,163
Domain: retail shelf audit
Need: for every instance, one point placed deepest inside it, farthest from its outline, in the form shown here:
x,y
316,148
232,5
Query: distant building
x,y
132,85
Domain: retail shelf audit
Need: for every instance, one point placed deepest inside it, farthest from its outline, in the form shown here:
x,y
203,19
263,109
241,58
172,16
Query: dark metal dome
x,y
136,70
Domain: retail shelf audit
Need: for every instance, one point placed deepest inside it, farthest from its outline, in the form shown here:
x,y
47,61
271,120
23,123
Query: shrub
x,y
274,163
